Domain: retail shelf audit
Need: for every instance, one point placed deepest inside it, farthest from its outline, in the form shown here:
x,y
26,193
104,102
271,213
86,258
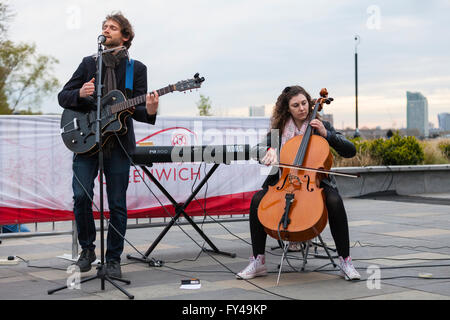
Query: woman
x,y
291,117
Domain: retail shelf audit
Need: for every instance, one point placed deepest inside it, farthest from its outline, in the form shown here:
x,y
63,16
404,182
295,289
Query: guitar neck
x,y
121,106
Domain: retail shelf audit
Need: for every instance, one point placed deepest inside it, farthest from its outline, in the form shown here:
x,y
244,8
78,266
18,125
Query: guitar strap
x,y
129,78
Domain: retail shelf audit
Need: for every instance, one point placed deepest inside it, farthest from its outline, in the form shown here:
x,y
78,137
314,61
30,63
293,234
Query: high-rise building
x,y
444,121
417,114
258,111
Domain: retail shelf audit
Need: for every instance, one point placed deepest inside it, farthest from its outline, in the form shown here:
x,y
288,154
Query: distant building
x,y
417,114
259,111
444,121
328,117
367,133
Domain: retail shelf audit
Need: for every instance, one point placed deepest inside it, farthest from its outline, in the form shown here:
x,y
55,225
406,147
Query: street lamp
x,y
357,41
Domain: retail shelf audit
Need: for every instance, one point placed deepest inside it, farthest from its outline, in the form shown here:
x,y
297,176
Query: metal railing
x,y
69,227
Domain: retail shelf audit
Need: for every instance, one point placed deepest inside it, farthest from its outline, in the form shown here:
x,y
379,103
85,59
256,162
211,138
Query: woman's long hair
x,y
281,111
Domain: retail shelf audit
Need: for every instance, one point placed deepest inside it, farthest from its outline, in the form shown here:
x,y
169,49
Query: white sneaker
x,y
348,271
256,268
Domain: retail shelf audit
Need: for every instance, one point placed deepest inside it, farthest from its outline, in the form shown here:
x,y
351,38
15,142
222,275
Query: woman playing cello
x,y
291,117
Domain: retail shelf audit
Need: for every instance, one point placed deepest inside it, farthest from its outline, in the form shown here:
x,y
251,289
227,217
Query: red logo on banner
x,y
179,139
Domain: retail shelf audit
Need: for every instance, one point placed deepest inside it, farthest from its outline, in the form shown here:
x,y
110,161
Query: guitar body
x,y
78,128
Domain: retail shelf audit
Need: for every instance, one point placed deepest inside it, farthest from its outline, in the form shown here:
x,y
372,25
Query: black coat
x,y
69,97
336,140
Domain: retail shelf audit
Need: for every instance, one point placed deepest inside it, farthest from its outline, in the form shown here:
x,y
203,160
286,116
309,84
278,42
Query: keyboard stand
x,y
180,210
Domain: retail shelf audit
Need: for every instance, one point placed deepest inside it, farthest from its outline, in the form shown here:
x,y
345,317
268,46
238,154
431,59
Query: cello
x,y
294,208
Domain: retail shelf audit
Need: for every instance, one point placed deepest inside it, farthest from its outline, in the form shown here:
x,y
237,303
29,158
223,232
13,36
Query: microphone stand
x,y
101,273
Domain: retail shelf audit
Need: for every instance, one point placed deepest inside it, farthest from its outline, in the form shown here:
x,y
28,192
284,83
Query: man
x,y
78,93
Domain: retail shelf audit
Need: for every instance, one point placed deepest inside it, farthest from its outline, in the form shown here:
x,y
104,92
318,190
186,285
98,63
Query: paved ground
x,y
401,249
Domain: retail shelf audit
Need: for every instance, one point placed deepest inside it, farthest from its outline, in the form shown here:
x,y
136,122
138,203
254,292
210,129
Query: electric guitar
x,y
78,129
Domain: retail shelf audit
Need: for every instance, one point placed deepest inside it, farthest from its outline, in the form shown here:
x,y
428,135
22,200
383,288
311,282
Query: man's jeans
x,y
116,171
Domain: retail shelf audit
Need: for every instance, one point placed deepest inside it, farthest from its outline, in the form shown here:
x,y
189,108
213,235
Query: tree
x,y
5,17
25,75
204,106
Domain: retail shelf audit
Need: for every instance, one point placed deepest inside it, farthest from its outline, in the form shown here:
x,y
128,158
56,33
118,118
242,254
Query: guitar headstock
x,y
189,84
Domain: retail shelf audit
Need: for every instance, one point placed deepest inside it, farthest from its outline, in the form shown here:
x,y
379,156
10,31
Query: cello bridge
x,y
293,179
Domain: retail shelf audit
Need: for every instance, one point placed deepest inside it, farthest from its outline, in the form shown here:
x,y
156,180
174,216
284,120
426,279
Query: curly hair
x,y
125,26
281,110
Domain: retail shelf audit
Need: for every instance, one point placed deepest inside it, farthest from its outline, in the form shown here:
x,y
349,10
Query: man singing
x,y
78,94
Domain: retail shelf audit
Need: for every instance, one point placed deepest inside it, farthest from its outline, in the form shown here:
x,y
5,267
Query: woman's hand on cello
x,y
270,158
318,125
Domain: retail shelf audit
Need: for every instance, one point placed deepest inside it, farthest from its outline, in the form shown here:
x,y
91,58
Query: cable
x,y
228,230
203,221
39,267
211,217
416,277
178,225
403,259
398,277
362,185
362,245
399,247
392,178
400,267
391,175
395,267
198,202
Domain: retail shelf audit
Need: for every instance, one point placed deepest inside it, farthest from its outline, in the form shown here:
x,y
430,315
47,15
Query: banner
x,y
36,169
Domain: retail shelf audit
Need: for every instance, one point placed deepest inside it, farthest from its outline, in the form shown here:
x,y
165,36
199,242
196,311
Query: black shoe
x,y
85,260
113,269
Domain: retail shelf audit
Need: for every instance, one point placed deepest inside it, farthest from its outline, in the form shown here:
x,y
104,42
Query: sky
x,y
250,50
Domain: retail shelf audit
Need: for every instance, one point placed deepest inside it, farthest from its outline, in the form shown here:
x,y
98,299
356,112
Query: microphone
x,y
101,39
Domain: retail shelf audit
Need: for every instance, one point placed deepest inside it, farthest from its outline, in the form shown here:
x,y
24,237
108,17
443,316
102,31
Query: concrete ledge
x,y
402,179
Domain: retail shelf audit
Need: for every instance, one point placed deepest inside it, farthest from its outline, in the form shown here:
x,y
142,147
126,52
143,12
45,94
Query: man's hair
x,y
125,26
